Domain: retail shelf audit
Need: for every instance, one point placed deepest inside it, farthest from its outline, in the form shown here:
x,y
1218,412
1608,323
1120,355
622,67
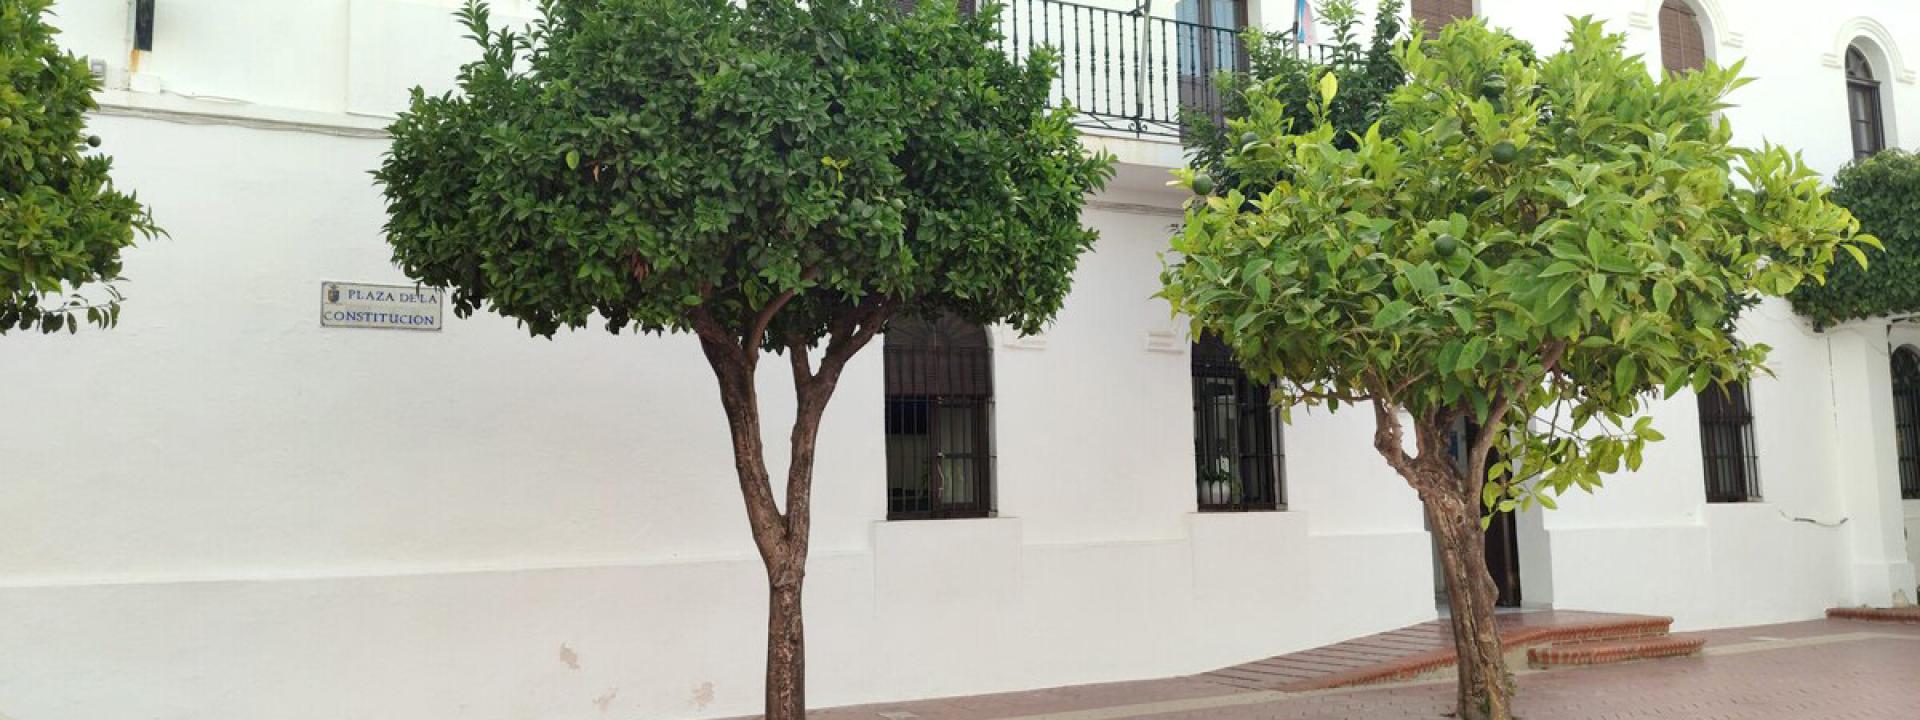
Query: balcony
x,y
1127,71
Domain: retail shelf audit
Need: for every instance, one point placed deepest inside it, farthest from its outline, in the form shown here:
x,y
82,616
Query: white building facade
x,y
222,509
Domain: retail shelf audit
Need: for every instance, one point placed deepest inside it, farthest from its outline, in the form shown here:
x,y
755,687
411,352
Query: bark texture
x,y
1450,495
780,535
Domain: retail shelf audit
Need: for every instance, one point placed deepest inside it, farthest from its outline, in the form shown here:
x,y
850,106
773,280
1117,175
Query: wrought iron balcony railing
x,y
1126,70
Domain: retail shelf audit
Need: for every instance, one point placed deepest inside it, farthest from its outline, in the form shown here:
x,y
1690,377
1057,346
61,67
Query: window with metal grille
x,y
1437,14
1726,444
939,416
1237,448
1906,418
1863,106
1683,47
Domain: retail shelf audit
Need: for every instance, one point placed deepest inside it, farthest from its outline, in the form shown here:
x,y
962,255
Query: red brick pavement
x,y
1412,651
1823,669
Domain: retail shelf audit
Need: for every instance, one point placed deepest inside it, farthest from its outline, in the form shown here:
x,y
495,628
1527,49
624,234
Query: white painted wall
x,y
221,510
221,494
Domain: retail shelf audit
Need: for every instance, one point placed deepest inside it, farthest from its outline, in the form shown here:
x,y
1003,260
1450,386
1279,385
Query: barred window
x,y
1863,106
1683,47
1237,448
939,416
1906,418
1726,444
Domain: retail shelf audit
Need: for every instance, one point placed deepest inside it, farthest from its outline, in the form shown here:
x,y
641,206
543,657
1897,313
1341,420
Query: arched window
x,y
939,383
1683,46
1436,14
1726,444
1863,106
1237,447
1906,418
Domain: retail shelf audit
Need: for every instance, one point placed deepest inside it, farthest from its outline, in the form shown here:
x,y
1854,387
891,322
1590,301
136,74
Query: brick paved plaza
x,y
1819,669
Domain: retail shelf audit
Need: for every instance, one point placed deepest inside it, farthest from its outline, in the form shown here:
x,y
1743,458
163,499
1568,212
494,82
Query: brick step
x,y
1892,615
1635,628
1427,649
1601,652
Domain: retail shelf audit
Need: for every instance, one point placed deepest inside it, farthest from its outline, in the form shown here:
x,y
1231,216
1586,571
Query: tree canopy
x,y
62,221
1520,253
642,158
1883,192
1563,233
767,175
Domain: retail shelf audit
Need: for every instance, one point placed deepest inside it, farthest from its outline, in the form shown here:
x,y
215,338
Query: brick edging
x,y
1893,615
1612,652
1421,663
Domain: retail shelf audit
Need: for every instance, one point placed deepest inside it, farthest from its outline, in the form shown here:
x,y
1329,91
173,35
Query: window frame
x,y
930,368
1673,38
1730,461
1904,366
1257,452
1438,14
1866,106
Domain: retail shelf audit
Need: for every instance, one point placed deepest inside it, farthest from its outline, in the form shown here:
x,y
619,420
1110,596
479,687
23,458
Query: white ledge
x,y
203,111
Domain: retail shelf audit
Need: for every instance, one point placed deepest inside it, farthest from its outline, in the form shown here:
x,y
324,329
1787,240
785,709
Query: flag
x,y
1303,22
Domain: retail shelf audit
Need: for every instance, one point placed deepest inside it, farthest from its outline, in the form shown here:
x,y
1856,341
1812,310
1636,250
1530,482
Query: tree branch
x,y
1342,397
1496,414
797,357
711,332
742,405
853,332
757,332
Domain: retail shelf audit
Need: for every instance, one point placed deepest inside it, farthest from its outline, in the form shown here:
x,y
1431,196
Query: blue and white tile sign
x,y
393,307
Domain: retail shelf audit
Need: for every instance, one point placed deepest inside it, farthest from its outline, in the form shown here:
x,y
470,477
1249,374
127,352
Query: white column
x,y
1867,469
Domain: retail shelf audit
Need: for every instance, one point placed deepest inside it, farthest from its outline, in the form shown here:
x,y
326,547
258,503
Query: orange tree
x,y
62,223
772,177
1537,250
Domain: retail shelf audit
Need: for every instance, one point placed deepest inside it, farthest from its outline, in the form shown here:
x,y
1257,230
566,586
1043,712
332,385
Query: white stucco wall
x,y
221,510
221,494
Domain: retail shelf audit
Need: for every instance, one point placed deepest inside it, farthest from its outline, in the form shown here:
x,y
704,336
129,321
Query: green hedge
x,y
1883,192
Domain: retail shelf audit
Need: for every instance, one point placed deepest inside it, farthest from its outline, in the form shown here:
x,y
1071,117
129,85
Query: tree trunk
x,y
1485,686
786,654
781,537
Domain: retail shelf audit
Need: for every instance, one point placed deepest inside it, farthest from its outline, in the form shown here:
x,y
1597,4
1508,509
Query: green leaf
x,y
1625,373
1424,279
1662,295
1559,267
573,159
1470,355
1392,314
1858,256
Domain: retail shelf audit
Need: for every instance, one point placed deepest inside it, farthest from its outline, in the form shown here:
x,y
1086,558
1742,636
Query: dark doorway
x,y
1503,558
1503,535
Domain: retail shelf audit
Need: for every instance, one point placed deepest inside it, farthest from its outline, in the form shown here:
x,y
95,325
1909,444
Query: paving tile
x,y
1826,669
